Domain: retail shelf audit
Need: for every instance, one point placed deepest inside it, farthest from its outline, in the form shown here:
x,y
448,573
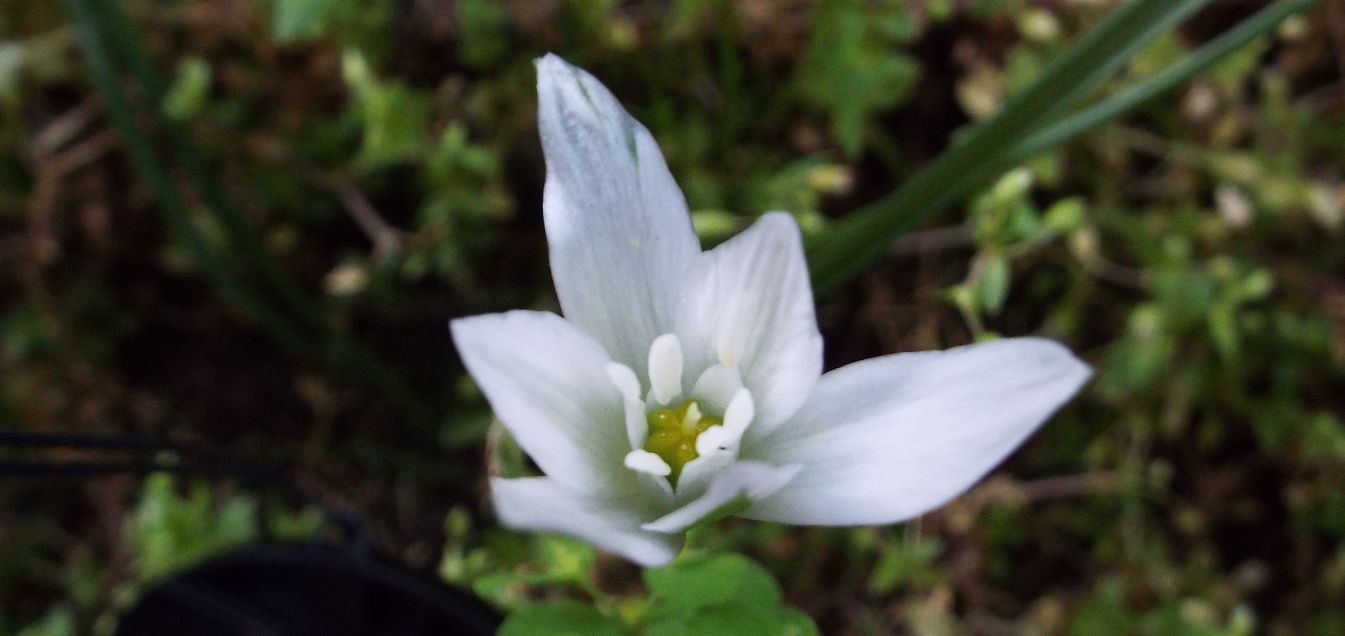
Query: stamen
x,y
673,435
637,428
692,418
665,368
647,462
713,439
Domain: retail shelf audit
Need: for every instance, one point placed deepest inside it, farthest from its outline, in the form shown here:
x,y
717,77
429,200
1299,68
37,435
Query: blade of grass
x,y
174,209
864,235
1105,111
1122,102
314,341
124,39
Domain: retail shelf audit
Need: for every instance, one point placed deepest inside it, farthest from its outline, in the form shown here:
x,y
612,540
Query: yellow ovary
x,y
673,433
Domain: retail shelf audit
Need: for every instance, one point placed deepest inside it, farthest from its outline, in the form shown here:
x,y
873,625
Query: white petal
x,y
646,462
618,227
665,368
890,438
739,484
748,303
716,388
542,505
700,472
546,382
658,493
625,380
637,426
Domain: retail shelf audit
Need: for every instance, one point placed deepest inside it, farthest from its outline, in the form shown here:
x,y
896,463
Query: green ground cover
x,y
246,223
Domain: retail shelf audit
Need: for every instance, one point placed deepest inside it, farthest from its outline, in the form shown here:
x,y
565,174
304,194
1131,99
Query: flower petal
x,y
548,384
540,504
740,413
617,224
747,303
734,487
716,388
890,438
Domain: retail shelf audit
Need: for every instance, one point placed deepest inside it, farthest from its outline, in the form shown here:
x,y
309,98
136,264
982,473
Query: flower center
x,y
673,433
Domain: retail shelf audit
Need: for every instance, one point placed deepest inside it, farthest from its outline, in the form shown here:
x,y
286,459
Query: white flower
x,y
684,385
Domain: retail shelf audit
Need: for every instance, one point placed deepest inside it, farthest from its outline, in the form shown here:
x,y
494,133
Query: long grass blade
x,y
122,36
1109,109
311,339
863,236
174,208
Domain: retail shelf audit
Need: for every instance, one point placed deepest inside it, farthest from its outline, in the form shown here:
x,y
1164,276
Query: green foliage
x,y
483,24
563,618
171,531
392,116
905,563
699,581
855,65
60,621
189,90
1106,613
1188,248
698,593
300,20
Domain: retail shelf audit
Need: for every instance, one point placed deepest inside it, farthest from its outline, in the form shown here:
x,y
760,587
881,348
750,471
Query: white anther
x,y
715,439
665,368
647,462
637,427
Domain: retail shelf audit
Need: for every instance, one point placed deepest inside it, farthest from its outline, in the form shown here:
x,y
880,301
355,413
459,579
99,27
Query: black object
x,y
332,588
285,590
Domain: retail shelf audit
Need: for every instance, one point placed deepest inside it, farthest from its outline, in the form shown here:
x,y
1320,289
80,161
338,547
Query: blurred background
x,y
246,223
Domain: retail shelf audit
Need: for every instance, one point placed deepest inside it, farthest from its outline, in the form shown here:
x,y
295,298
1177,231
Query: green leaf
x,y
566,559
394,116
739,620
1066,215
171,531
704,580
560,618
992,286
483,39
298,20
796,623
189,90
58,621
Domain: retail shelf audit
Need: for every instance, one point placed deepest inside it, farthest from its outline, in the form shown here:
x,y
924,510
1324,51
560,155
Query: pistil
x,y
673,433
